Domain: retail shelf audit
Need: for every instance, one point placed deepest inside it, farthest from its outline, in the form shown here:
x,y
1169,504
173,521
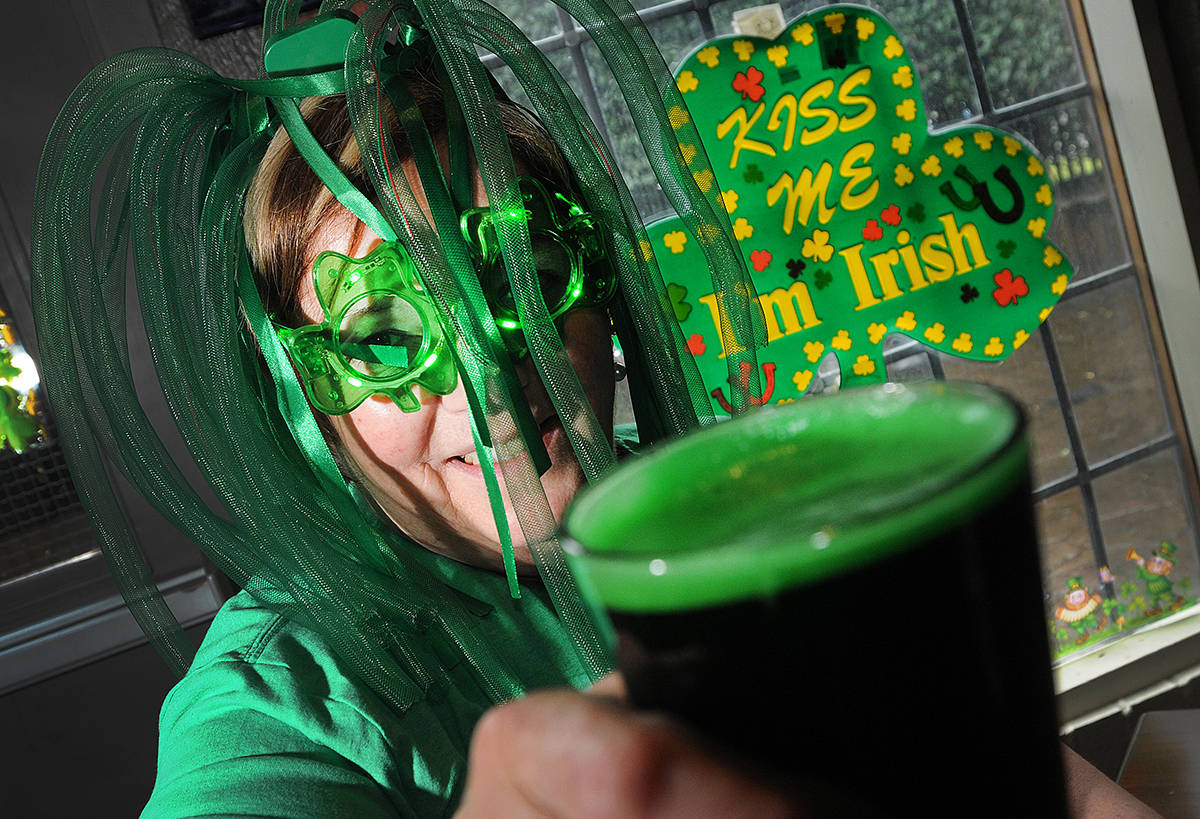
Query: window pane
x,y
930,32
1027,48
1026,376
1110,370
1085,226
1142,505
1066,547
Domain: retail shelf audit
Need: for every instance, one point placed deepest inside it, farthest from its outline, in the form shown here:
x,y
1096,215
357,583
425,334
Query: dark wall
x,y
84,743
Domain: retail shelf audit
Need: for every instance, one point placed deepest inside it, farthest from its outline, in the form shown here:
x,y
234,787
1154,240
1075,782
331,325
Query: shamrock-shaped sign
x,y
853,220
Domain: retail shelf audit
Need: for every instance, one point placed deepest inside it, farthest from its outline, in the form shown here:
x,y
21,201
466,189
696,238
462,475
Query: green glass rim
x,y
621,573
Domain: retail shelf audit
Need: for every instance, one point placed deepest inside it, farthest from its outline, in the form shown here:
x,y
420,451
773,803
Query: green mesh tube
x,y
139,201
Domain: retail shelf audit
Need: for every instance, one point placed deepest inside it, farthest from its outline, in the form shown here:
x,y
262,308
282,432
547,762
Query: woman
x,y
394,590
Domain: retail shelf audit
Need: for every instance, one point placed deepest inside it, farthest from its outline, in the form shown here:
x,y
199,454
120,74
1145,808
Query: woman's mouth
x,y
549,428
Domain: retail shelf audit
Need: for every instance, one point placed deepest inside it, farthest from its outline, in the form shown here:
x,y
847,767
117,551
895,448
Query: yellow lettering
x,y
860,77
787,101
858,176
883,264
955,237
858,276
913,267
820,91
939,265
802,195
786,303
715,302
740,141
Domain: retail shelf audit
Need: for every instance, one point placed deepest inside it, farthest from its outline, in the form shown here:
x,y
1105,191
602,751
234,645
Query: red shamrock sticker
x,y
891,215
872,232
1009,288
760,259
749,83
695,344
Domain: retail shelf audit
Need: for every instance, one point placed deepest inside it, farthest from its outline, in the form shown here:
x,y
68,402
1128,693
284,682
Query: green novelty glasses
x,y
382,334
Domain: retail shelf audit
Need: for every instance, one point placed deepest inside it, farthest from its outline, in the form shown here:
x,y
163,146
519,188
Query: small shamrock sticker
x,y
1051,257
749,83
677,293
932,166
1060,285
753,174
872,232
1005,248
742,229
963,343
675,240
760,259
813,350
904,175
902,143
822,279
876,332
1009,288
802,379
864,365
817,246
1036,227
907,110
795,268
892,47
935,333
891,215
1011,146
984,140
954,147
865,28
916,212
695,344
710,56
994,347
1044,196
687,82
744,49
907,321
803,34
841,341
730,200
969,293
903,77
778,55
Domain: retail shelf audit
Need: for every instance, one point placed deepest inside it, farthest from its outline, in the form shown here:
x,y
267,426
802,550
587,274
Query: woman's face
x,y
421,466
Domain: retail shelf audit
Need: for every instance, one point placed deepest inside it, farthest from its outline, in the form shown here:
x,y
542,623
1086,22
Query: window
x,y
1113,467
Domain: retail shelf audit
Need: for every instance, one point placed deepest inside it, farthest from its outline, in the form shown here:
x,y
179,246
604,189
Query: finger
x,y
610,687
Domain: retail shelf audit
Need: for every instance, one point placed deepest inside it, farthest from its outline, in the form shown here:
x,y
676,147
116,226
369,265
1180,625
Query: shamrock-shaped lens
x,y
380,335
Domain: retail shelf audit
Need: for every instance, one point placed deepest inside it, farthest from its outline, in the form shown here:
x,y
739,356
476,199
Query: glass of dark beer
x,y
842,591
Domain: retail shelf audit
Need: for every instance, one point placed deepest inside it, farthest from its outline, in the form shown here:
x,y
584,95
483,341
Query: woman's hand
x,y
562,753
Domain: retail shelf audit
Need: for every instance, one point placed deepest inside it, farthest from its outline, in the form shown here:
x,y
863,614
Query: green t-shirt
x,y
268,722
